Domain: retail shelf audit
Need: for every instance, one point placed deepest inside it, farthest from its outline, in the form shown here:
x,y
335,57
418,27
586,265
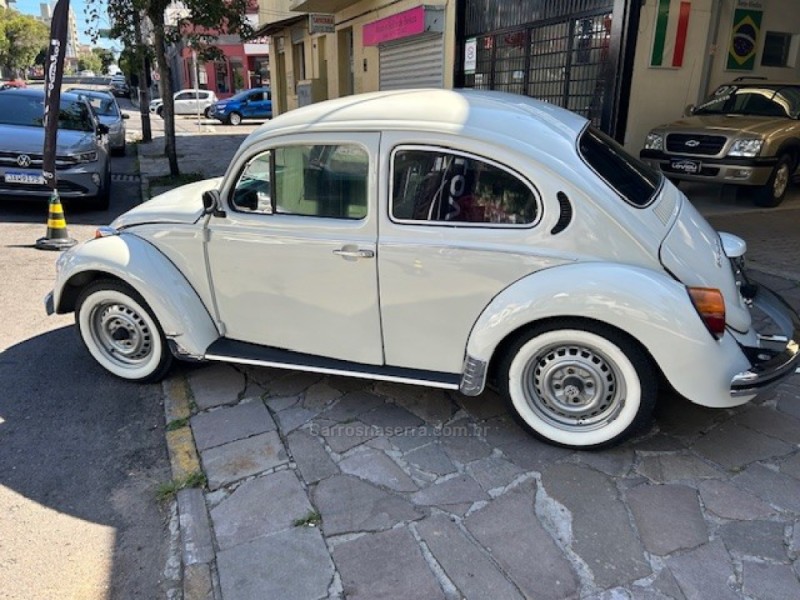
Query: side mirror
x,y
102,129
126,116
212,204
689,110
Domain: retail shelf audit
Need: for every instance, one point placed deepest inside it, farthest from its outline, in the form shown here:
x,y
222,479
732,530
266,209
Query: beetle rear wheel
x,y
585,387
121,333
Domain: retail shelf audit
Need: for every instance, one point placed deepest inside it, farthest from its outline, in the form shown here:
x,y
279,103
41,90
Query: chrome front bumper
x,y
777,356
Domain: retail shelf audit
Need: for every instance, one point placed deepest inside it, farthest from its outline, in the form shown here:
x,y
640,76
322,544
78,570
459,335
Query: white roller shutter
x,y
414,63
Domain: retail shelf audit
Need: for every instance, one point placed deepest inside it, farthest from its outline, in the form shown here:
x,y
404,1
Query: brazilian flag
x,y
744,39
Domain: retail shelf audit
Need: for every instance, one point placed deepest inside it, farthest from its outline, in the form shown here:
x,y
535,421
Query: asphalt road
x,y
82,452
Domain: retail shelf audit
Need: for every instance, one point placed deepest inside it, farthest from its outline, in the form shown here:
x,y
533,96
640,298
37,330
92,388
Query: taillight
x,y
710,305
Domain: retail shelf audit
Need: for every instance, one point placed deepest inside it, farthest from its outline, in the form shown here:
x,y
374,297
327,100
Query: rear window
x,y
632,179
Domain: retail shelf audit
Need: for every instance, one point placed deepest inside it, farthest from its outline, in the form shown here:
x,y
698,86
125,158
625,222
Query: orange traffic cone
x,y
57,237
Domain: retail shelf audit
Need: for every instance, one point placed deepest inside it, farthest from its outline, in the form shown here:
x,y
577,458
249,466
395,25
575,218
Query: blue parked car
x,y
255,103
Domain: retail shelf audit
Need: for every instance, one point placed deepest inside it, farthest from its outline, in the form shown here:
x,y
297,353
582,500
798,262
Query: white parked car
x,y
188,102
444,238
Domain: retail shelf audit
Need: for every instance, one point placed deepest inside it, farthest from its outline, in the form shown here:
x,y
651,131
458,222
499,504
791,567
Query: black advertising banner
x,y
54,70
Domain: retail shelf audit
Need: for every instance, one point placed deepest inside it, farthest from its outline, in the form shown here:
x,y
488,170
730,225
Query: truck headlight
x,y
747,148
654,141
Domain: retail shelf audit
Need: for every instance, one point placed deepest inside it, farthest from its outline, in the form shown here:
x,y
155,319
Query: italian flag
x,y
672,25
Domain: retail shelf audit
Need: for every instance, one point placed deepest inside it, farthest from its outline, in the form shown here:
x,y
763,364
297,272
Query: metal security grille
x,y
565,62
566,52
481,16
410,64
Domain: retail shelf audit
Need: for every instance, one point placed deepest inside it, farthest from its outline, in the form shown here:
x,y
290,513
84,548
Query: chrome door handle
x,y
354,253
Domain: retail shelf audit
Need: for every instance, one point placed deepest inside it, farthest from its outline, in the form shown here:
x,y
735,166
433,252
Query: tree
x,y
106,58
22,40
90,62
201,23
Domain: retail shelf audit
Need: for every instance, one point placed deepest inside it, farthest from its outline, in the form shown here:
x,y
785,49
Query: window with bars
x,y
565,61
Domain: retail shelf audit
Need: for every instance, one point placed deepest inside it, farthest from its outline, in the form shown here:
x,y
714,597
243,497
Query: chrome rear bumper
x,y
777,356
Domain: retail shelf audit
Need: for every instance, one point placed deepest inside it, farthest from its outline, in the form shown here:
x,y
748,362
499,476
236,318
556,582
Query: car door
x,y
251,105
461,226
184,103
293,259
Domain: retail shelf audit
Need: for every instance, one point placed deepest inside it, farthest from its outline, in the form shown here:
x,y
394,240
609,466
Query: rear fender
x,y
649,306
177,307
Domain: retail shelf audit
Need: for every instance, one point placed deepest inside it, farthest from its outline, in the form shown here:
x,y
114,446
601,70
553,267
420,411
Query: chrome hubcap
x,y
122,333
575,388
781,181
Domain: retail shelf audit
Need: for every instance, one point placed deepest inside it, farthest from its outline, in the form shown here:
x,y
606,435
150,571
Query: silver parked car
x,y
188,102
107,111
82,163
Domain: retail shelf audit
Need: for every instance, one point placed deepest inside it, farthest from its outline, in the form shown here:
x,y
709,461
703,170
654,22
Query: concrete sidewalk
x,y
327,487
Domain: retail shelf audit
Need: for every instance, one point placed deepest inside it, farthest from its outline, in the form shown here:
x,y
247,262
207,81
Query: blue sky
x,y
31,7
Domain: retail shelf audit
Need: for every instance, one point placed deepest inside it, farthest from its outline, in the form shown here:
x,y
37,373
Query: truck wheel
x,y
121,333
578,384
772,194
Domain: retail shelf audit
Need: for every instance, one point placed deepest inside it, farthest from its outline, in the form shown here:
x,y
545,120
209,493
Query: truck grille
x,y
694,143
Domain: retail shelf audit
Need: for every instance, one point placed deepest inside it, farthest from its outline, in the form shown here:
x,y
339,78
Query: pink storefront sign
x,y
402,25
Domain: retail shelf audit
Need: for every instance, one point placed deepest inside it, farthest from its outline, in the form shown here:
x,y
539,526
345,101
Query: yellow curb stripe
x,y
56,223
182,453
177,399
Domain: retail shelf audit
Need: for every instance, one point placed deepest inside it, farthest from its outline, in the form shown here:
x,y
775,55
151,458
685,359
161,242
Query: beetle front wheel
x,y
121,333
581,388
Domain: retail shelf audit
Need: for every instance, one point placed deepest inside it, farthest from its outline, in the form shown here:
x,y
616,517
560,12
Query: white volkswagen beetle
x,y
444,238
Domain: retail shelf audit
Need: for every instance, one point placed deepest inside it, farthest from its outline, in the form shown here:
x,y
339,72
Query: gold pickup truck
x,y
746,133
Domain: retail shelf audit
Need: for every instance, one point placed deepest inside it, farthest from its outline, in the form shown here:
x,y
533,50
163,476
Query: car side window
x,y
451,188
308,180
253,192
184,96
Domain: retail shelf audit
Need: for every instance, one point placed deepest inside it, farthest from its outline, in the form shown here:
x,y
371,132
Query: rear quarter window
x,y
632,179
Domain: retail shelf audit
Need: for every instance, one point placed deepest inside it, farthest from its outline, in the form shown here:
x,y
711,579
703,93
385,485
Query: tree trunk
x,y
166,92
144,93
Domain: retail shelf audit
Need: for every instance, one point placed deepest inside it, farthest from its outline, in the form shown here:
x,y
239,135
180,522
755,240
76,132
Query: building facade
x,y
243,65
627,65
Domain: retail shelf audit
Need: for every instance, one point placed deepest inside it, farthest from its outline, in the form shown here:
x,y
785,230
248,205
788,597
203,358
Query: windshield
x,y
757,101
102,106
241,95
631,178
28,111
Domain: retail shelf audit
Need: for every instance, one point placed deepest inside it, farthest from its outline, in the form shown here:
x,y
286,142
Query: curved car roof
x,y
492,116
38,93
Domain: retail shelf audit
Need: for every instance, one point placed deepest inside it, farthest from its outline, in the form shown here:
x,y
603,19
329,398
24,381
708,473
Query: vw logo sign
x,y
23,160
692,143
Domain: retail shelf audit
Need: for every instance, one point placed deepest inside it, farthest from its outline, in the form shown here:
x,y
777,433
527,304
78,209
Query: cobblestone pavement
x,y
327,487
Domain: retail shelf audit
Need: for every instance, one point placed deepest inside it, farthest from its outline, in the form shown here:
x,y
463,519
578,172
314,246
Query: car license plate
x,y
24,178
682,165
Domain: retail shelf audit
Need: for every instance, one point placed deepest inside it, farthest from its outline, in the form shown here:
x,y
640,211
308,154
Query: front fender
x,y
649,306
177,307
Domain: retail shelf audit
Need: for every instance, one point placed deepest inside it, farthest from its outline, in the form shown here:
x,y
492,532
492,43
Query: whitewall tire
x,y
121,333
579,384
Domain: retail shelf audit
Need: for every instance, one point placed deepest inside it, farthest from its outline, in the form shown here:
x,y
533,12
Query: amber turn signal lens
x,y
710,306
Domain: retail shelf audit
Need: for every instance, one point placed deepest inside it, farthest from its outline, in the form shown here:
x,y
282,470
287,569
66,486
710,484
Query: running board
x,y
233,351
